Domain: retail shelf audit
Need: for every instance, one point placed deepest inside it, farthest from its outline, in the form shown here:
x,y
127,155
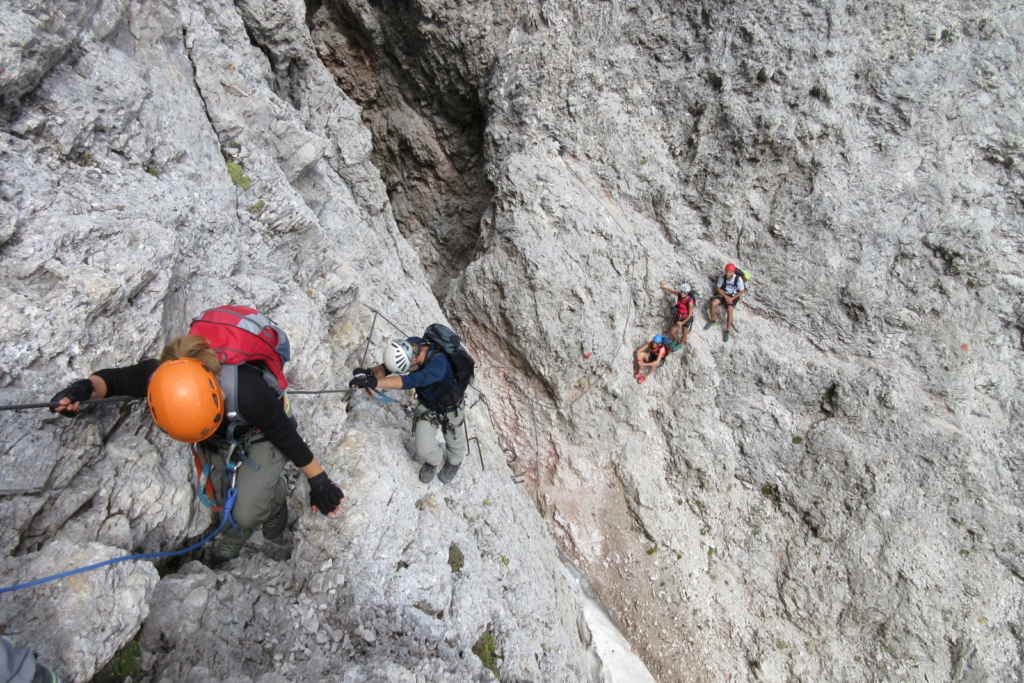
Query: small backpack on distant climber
x,y
447,342
685,304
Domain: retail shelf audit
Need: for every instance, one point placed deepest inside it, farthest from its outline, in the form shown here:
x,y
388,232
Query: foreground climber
x,y
189,391
439,368
650,357
683,313
728,290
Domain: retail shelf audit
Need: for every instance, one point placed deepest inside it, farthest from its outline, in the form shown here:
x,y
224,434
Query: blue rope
x,y
228,505
378,395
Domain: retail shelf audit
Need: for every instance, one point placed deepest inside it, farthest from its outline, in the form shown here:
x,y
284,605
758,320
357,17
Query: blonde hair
x,y
192,346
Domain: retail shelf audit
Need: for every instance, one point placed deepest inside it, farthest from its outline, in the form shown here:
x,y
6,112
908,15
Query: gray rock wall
x,y
829,491
833,494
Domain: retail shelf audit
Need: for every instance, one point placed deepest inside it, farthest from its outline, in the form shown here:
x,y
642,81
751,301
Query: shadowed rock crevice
x,y
427,122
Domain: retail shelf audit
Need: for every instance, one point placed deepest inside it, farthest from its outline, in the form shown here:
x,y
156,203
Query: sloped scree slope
x,y
833,494
159,158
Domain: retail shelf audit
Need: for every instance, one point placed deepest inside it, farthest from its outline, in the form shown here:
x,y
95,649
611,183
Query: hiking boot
x,y
45,675
225,551
275,526
711,323
448,472
427,473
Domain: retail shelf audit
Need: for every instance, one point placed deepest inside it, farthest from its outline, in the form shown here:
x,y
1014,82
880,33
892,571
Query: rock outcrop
x,y
832,494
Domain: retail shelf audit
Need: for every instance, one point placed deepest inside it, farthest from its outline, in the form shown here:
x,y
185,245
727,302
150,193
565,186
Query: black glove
x,y
76,393
324,494
362,371
363,382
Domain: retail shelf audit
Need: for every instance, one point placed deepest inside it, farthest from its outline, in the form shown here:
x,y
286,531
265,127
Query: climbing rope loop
x,y
229,504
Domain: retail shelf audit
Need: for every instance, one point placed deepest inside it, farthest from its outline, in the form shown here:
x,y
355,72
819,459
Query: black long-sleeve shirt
x,y
258,404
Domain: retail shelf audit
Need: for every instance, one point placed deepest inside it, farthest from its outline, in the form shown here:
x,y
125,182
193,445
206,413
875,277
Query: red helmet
x,y
730,267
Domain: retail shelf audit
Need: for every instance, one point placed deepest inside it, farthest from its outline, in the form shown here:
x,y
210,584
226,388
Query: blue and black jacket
x,y
434,380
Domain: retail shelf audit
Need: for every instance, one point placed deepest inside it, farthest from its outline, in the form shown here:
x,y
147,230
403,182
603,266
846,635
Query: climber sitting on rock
x,y
728,290
650,357
236,415
685,303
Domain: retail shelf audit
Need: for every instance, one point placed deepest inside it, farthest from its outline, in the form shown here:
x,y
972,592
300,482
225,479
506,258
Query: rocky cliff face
x,y
832,494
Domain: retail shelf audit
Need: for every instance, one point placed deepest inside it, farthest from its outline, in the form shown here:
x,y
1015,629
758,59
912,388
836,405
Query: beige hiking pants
x,y
425,428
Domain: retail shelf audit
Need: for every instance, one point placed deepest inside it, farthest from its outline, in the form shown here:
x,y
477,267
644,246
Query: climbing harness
x,y
204,467
437,418
229,504
204,485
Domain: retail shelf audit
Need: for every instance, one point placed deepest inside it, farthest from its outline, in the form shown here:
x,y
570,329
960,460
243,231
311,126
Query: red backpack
x,y
244,335
684,303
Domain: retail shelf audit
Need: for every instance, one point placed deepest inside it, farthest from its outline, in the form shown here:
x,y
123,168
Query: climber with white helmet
x,y
730,286
439,374
234,411
650,357
683,312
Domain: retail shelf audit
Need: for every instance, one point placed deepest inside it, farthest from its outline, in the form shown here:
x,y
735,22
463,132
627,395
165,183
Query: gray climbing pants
x,y
425,428
18,664
261,492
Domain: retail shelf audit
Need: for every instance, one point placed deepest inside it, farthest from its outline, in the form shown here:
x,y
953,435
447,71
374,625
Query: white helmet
x,y
684,288
398,356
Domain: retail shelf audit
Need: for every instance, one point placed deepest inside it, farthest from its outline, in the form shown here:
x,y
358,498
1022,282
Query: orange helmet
x,y
185,400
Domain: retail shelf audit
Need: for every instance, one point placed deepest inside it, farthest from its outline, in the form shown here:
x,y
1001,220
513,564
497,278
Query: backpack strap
x,y
229,385
441,407
432,351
